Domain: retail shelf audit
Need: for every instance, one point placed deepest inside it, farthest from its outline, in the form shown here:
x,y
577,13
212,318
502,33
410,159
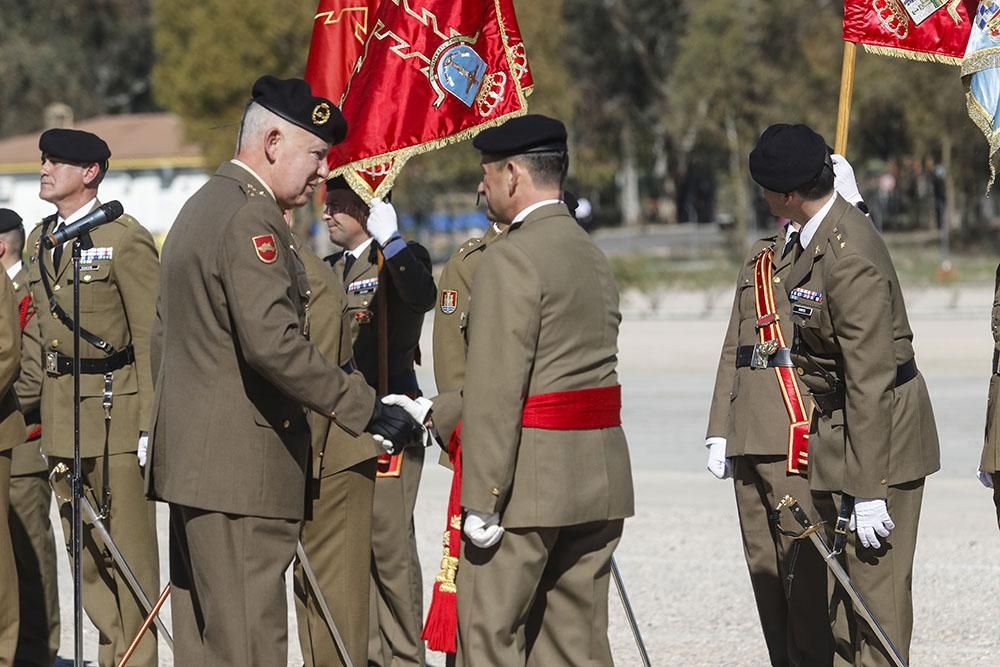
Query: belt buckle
x,y
51,363
762,353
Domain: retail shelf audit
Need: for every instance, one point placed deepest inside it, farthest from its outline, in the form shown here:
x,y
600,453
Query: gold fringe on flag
x,y
912,55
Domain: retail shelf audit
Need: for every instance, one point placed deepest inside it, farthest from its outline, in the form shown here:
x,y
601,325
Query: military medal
x,y
363,316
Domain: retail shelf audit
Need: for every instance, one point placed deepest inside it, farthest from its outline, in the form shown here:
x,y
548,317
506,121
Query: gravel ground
x,y
681,555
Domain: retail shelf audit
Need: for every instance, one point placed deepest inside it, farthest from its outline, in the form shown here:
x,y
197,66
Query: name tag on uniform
x,y
800,293
363,286
804,311
95,254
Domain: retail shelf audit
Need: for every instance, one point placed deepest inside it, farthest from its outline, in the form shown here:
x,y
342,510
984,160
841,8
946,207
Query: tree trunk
x,y
667,207
743,215
628,179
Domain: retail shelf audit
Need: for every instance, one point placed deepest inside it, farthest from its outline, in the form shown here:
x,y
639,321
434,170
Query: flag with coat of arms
x,y
430,73
981,76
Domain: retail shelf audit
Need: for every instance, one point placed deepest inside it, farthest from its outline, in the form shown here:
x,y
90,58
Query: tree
x,y
94,55
209,53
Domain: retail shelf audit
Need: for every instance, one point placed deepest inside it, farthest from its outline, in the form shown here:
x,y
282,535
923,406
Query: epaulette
x,y
252,191
470,246
838,240
767,243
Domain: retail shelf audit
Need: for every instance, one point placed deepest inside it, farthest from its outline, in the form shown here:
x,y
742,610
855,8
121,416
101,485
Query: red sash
x,y
580,410
24,314
769,329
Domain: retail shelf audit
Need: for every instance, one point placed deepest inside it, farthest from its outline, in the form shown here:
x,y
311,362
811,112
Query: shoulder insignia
x,y
449,301
266,248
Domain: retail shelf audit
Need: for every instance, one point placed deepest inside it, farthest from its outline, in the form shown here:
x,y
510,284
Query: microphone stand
x,y
78,243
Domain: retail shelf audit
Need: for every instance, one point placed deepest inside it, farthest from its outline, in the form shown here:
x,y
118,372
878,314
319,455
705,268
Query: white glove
x,y
871,518
985,478
482,529
143,446
843,179
718,464
418,408
382,222
385,444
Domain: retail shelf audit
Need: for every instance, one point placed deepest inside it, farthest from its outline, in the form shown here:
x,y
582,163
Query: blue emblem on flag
x,y
460,71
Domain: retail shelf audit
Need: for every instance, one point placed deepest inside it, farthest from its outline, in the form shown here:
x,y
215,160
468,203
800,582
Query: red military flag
x,y
340,29
934,30
431,73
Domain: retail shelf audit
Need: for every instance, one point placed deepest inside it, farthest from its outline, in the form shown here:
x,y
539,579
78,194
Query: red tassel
x,y
441,629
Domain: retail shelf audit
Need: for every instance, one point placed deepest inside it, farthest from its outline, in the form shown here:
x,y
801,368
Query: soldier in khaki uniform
x,y
230,446
337,535
873,437
30,495
546,475
11,435
408,288
989,465
451,322
119,280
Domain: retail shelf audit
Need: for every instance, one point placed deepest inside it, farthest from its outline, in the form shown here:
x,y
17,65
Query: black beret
x,y
9,220
75,146
787,157
292,99
525,134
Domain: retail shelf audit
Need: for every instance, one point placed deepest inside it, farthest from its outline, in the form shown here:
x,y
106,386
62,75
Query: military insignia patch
x,y
449,301
363,316
321,114
266,248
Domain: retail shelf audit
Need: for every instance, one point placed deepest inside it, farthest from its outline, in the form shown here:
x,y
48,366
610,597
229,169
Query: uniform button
x,y
87,278
286,424
364,303
56,287
333,415
402,268
777,279
55,342
884,481
495,491
800,371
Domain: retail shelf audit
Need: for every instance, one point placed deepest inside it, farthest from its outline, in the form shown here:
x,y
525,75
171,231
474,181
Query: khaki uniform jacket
x,y
117,302
451,322
27,457
747,405
544,318
11,422
334,449
410,288
233,364
857,334
991,461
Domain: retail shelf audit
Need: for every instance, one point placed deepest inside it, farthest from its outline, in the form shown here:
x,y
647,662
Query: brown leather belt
x,y
836,400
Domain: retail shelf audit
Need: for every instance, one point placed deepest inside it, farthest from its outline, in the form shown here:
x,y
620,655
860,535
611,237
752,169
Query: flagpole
x,y
846,92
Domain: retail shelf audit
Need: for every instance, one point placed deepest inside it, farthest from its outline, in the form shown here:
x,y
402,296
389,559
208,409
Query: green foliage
x,y
209,53
94,55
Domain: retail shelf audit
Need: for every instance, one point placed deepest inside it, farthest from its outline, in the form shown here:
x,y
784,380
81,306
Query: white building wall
x,y
153,197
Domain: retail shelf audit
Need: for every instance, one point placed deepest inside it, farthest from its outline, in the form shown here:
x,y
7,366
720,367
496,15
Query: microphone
x,y
99,216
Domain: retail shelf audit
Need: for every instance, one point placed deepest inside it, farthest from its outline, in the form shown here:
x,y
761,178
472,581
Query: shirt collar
x,y
357,252
12,271
255,175
809,229
78,213
526,212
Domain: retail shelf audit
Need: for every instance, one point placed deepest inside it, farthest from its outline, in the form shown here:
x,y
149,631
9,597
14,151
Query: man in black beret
x,y
30,495
230,442
873,438
545,489
118,286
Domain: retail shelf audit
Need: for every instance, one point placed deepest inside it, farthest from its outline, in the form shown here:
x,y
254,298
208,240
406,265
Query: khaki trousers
x,y
539,597
883,576
227,577
337,541
8,572
37,577
107,599
396,616
796,626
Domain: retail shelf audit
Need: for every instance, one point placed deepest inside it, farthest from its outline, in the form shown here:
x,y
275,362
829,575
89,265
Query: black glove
x,y
395,425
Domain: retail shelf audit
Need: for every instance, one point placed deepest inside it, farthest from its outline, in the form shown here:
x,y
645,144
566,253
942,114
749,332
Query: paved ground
x,y
681,555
